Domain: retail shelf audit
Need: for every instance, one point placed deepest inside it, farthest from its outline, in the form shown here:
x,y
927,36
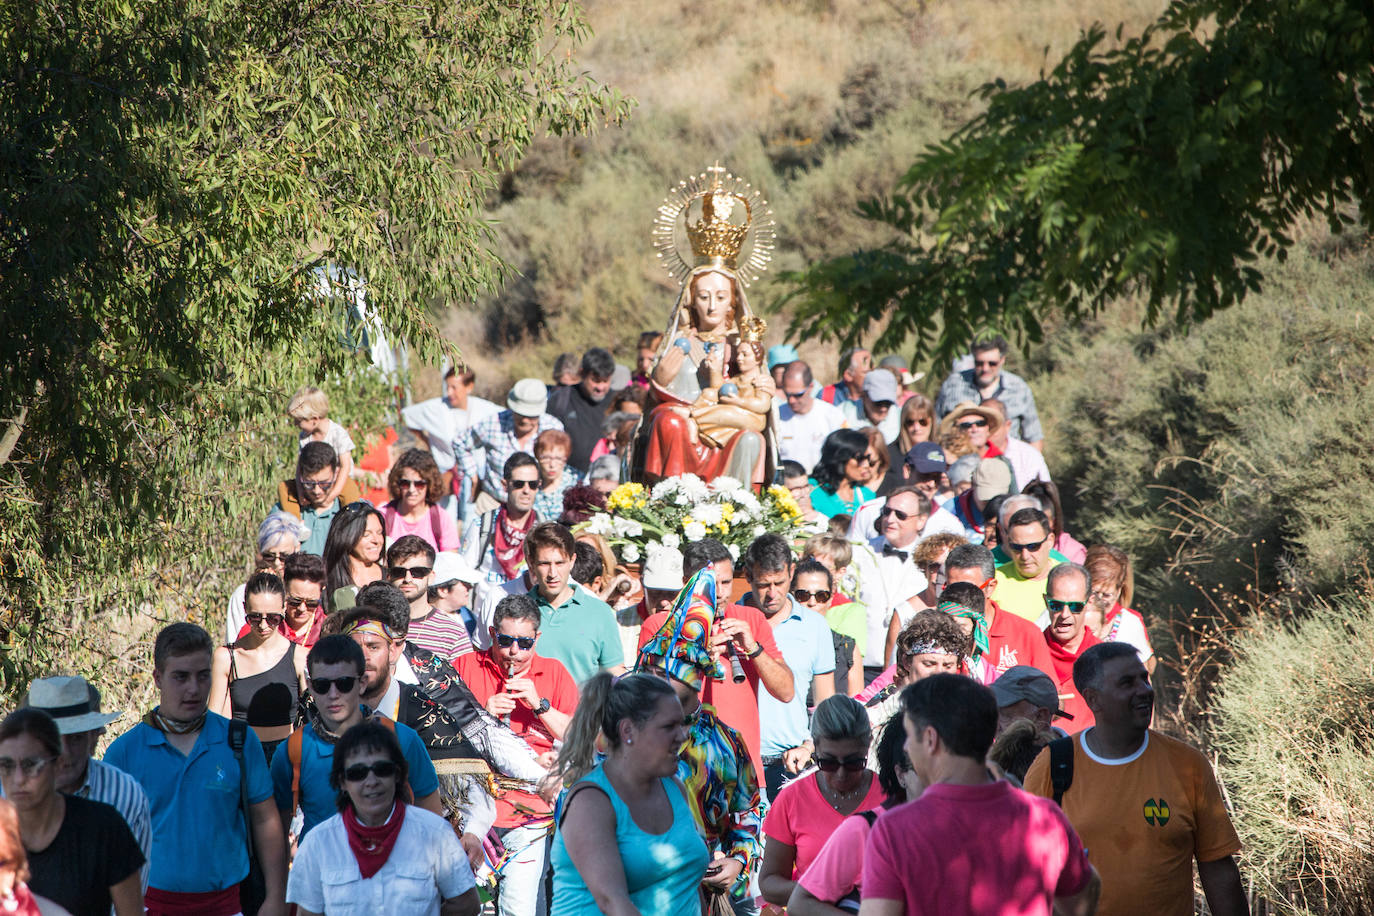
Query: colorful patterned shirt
x,y
724,792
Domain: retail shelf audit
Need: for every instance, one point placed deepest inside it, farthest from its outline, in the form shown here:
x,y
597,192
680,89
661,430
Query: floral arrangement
x,y
683,509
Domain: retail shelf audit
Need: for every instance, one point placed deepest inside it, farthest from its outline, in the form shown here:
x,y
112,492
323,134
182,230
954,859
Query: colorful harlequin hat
x,y
680,645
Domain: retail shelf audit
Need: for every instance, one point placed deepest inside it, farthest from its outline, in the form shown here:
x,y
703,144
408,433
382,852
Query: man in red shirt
x,y
1066,598
1012,640
742,632
536,697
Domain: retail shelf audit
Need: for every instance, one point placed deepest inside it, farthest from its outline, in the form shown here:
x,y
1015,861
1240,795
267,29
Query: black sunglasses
x,y
273,620
415,572
311,603
1026,548
804,595
888,510
272,557
522,484
1073,607
321,684
830,764
505,641
406,483
385,769
972,424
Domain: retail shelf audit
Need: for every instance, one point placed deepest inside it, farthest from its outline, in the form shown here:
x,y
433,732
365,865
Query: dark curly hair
x,y
839,447
933,628
422,463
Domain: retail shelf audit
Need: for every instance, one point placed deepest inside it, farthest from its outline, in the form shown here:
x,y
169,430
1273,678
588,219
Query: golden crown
x,y
716,238
752,328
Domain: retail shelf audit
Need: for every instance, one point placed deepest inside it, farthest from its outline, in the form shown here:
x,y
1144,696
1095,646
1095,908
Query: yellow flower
x,y
624,497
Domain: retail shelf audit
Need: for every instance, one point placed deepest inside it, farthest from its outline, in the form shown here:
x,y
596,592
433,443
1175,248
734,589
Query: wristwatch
x,y
758,650
543,707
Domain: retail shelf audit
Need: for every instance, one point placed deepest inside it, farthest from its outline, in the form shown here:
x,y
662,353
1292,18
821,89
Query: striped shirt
x,y
442,633
119,790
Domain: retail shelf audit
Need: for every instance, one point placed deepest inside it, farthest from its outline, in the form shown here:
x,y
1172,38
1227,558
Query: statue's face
x,y
748,360
713,298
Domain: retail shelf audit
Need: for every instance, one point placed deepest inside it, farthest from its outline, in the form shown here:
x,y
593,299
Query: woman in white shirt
x,y
379,854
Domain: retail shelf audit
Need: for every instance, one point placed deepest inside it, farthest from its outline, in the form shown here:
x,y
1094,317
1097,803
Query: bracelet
x,y
758,650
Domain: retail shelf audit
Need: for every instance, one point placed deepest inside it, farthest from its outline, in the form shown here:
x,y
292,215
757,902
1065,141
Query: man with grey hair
x,y
1067,587
1131,788
604,475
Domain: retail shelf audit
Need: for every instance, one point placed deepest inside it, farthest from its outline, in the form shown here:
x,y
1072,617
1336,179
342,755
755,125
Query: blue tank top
x,y
662,870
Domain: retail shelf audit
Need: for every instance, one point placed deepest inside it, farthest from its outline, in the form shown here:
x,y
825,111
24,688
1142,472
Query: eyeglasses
x,y
321,685
405,483
988,363
273,620
1103,597
415,572
514,485
804,595
936,573
795,395
277,557
1026,548
855,764
29,766
972,424
293,602
551,457
357,772
505,641
885,511
1057,607
318,484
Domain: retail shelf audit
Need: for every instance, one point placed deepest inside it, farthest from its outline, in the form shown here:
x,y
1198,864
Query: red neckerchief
x,y
1063,659
508,543
372,846
993,451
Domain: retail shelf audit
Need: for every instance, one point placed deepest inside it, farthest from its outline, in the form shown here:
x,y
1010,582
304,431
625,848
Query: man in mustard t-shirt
x,y
1021,583
1146,805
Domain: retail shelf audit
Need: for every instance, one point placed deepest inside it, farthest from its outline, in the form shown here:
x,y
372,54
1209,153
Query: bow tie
x,y
890,551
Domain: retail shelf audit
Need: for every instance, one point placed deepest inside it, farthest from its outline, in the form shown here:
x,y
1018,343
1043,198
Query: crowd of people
x,y
934,699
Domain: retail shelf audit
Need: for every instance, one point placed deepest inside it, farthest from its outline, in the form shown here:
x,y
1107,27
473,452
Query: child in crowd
x,y
309,408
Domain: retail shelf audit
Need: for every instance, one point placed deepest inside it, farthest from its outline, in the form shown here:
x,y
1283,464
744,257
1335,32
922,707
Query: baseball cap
x,y
1023,682
880,385
991,478
451,567
528,397
663,568
926,458
782,353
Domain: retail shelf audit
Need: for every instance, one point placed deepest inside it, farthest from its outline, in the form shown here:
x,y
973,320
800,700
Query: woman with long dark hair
x,y
353,553
839,477
637,850
381,854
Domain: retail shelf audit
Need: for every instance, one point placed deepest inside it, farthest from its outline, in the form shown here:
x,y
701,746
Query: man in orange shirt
x,y
1145,804
536,697
742,632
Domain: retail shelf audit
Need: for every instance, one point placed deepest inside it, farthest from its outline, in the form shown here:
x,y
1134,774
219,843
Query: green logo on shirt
x,y
1156,813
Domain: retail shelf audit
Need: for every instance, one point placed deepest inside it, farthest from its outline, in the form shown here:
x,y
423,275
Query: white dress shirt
x,y
886,582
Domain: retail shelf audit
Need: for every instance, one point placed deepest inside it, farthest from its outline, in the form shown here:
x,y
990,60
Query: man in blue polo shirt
x,y
803,637
334,688
180,755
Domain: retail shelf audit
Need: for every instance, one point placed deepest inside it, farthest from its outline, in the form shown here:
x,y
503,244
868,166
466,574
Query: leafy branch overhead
x,y
1168,165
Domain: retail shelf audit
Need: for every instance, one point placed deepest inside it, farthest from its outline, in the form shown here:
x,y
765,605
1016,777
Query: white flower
x,y
708,514
663,489
626,528
726,485
601,524
734,551
630,553
672,540
693,531
760,531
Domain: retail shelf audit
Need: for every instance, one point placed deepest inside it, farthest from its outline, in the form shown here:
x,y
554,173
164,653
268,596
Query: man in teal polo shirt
x,y
180,755
335,686
577,628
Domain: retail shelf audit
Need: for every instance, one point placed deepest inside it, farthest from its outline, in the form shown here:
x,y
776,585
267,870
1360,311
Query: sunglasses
x,y
988,363
804,595
311,603
972,424
885,511
864,459
385,769
275,557
795,395
406,483
29,766
514,485
917,421
505,641
415,572
1026,548
318,484
273,620
1073,607
321,685
855,764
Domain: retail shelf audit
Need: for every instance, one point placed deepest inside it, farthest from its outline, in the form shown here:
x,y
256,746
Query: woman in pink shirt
x,y
830,885
810,807
416,487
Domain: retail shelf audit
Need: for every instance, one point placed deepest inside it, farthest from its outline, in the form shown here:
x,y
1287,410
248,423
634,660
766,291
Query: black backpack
x,y
1061,767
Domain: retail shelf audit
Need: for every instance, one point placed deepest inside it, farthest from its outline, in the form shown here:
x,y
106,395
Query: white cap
x,y
528,397
451,567
663,568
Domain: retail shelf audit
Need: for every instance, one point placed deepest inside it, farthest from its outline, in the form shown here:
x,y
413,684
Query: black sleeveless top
x,y
267,699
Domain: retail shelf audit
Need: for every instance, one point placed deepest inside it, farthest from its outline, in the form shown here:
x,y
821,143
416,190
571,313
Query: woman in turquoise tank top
x,y
627,843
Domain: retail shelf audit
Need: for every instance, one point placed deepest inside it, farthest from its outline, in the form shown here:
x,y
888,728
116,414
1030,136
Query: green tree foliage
x,y
175,179
1168,164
